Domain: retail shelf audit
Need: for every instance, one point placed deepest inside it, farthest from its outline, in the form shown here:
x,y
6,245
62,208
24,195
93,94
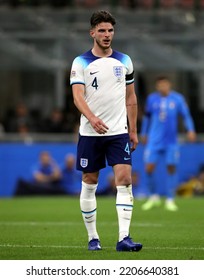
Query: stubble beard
x,y
102,47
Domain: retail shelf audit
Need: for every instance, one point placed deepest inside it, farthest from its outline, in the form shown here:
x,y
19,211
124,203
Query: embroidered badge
x,y
118,71
84,162
172,105
73,73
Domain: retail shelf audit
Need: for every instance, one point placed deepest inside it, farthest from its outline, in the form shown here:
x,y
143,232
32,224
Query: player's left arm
x,y
131,105
188,121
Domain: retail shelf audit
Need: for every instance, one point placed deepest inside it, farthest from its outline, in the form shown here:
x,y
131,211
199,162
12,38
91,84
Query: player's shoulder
x,y
84,55
177,95
85,58
123,57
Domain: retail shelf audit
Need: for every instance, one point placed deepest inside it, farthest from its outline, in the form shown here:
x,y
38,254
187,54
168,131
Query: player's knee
x,y
90,178
123,179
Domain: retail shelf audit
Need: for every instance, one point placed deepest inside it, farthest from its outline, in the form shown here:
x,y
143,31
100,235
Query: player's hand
x,y
133,140
98,125
191,135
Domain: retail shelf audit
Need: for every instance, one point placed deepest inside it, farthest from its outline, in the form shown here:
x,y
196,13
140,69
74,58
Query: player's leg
x,y
124,198
90,159
119,156
171,183
88,208
172,157
150,159
124,206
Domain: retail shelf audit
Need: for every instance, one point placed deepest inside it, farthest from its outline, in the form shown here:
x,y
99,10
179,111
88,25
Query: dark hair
x,y
101,16
162,78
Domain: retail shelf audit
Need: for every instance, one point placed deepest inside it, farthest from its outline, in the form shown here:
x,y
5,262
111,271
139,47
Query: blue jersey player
x,y
159,132
103,90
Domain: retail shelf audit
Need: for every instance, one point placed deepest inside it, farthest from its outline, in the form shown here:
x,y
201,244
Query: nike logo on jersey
x,y
92,73
126,158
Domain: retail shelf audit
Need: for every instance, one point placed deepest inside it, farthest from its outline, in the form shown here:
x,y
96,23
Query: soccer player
x,y
159,132
103,91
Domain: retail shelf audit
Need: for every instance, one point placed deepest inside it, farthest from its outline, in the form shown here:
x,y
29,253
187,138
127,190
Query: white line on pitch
x,y
70,246
10,223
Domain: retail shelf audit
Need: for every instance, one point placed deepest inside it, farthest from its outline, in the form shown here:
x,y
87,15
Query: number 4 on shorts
x,y
127,149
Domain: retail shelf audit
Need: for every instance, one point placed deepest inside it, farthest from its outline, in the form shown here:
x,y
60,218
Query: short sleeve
x,y
130,70
77,72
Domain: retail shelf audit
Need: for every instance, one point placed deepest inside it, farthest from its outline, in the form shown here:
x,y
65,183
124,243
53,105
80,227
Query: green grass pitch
x,y
51,228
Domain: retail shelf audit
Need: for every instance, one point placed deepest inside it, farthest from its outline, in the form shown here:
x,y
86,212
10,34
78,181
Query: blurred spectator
x,y
20,121
186,4
71,114
199,188
109,188
194,186
130,4
36,116
46,172
55,122
168,4
146,4
70,122
23,121
71,178
45,178
201,4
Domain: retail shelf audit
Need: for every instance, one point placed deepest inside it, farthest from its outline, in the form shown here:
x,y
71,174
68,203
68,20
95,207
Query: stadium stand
x,y
35,45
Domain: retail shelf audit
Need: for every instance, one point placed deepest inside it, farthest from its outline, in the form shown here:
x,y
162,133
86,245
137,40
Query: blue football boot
x,y
94,245
128,245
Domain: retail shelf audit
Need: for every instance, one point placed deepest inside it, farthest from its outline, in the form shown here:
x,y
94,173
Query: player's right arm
x,y
98,125
188,120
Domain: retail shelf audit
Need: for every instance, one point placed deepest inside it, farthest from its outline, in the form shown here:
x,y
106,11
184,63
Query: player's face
x,y
103,35
163,87
45,158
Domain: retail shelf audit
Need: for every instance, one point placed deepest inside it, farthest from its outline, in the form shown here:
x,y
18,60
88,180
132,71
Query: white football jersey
x,y
105,80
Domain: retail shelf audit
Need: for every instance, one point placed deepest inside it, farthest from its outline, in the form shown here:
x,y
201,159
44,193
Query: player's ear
x,y
92,33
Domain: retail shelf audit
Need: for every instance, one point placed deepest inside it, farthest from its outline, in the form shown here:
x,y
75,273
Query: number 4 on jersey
x,y
95,83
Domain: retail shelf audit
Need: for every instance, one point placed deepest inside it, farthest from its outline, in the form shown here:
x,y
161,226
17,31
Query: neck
x,y
100,52
164,94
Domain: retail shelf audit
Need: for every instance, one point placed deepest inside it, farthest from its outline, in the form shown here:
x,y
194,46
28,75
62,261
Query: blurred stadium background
x,y
40,38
